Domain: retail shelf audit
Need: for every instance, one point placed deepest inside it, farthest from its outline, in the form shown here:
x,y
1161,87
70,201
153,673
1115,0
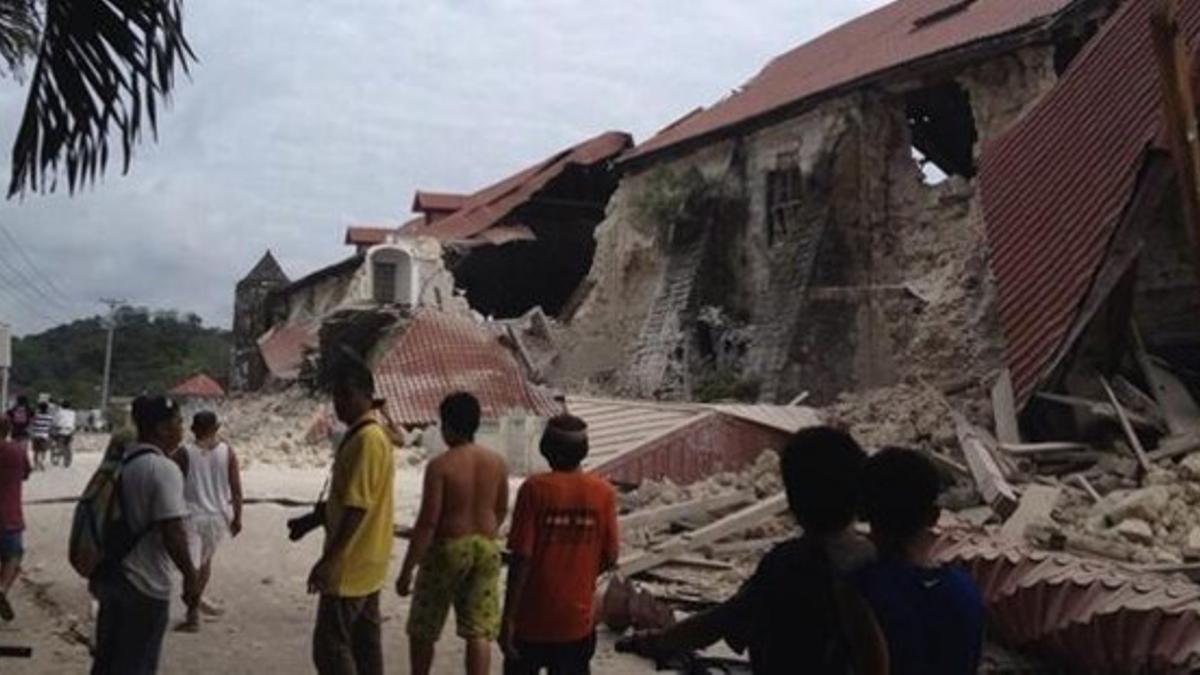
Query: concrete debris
x,y
1136,530
288,428
908,415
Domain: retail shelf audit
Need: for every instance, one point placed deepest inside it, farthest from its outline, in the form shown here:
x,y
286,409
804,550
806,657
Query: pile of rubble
x,y
289,428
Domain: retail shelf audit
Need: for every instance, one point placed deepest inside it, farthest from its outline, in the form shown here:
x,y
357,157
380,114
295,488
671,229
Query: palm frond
x,y
100,65
19,29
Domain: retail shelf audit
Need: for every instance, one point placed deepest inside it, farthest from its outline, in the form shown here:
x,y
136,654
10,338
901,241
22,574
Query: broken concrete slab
x,y
995,489
1036,505
1136,530
1146,503
1191,550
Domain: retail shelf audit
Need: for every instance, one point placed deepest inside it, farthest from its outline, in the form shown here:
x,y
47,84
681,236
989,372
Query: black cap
x,y
148,411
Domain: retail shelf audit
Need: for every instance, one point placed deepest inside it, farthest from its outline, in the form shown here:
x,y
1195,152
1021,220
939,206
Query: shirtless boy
x,y
463,503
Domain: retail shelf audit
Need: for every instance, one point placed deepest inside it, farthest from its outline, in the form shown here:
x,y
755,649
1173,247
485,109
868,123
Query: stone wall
x,y
884,280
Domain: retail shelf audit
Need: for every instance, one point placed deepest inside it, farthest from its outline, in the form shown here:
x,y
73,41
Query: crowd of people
x,y
828,601
49,428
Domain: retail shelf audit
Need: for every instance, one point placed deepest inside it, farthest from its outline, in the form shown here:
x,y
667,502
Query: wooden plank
x,y
1138,401
1177,405
990,481
1100,409
1126,426
701,562
1083,482
1027,449
1004,410
748,517
739,547
1175,446
1036,505
672,512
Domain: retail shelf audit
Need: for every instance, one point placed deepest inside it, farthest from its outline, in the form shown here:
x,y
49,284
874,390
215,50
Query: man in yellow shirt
x,y
358,537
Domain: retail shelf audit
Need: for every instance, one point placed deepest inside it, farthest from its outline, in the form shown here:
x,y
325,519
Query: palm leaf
x,y
99,64
19,31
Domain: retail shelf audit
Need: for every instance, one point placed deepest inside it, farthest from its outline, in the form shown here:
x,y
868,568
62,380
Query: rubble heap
x,y
287,428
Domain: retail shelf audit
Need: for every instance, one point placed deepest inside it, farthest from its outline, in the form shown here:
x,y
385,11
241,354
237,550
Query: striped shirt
x,y
42,422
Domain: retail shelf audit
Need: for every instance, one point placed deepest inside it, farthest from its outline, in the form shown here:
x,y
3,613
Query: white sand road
x,y
259,577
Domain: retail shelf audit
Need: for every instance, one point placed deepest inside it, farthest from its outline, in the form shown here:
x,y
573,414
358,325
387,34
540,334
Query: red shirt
x,y
565,527
14,469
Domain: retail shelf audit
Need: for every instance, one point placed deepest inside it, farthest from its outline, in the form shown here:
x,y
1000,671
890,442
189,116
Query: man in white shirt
x,y
64,430
135,596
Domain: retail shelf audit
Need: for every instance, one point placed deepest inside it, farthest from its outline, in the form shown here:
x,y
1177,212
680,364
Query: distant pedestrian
x,y
358,536
564,535
932,615
39,431
14,469
135,594
21,416
213,490
463,503
65,421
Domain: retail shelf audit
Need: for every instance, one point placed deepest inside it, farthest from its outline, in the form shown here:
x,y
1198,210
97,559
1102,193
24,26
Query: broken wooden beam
x,y
1033,449
745,545
1100,409
733,523
995,489
1126,426
1004,410
1175,446
1084,483
662,515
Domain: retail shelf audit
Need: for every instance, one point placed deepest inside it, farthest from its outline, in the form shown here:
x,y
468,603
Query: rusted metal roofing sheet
x,y
199,385
491,205
787,418
437,201
440,353
283,347
896,34
1055,186
365,235
1090,614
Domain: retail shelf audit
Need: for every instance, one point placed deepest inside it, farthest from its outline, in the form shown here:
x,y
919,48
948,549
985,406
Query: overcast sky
x,y
304,116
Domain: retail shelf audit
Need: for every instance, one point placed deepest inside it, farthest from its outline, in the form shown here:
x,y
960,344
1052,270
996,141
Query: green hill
x,y
152,351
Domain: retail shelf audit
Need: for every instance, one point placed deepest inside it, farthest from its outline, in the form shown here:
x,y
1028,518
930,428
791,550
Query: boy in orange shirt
x,y
564,534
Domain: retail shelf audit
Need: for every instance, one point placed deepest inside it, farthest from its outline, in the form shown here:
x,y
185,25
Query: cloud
x,y
303,116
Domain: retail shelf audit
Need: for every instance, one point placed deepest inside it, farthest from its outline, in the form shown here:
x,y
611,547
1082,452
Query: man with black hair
x,y
359,519
564,534
463,503
798,613
932,616
135,596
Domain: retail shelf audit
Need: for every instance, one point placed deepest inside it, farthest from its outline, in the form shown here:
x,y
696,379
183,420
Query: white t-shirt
x,y
64,421
206,486
152,487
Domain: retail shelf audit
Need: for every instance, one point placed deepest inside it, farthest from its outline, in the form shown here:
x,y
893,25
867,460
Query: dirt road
x,y
259,577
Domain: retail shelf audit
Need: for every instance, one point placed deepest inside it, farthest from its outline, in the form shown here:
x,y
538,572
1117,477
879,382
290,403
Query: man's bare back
x,y
473,482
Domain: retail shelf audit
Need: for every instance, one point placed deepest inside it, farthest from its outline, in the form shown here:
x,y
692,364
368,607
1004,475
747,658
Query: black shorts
x,y
558,658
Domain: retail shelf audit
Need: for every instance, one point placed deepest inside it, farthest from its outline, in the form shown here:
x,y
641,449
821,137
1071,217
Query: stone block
x,y
1136,531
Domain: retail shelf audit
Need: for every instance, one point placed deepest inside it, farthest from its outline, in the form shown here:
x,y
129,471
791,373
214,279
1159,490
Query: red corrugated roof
x,y
1055,186
438,201
366,235
875,42
441,353
199,385
283,347
492,204
1093,615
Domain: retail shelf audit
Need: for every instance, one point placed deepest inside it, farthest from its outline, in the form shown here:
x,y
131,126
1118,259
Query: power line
x,y
9,289
42,295
36,270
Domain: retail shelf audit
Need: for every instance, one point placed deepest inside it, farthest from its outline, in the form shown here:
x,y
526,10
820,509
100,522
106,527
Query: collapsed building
x,y
820,229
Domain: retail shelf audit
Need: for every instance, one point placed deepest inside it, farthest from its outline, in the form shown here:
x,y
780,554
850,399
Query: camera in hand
x,y
300,526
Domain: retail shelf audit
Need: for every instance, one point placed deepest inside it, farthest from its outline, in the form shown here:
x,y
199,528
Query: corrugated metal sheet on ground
x,y
440,353
615,427
1055,186
1093,615
885,38
283,347
491,205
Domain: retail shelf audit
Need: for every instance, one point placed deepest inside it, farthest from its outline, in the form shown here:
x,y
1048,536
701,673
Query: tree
x,y
100,67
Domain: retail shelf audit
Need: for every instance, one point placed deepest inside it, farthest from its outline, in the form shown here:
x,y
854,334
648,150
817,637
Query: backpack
x,y
100,536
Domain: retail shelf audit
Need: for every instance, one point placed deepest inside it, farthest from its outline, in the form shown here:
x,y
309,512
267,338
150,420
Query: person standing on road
x,y
135,596
39,431
14,470
64,430
358,536
21,416
464,500
213,490
564,535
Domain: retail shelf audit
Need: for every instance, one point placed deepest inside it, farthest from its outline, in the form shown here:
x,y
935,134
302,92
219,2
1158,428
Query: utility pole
x,y
112,304
5,362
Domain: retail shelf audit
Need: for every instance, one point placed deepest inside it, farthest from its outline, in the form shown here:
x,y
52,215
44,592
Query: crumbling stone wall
x,y
885,279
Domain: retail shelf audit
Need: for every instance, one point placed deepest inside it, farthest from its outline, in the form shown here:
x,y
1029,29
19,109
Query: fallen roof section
x,y
439,353
199,385
1094,615
283,347
1055,186
898,34
491,205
